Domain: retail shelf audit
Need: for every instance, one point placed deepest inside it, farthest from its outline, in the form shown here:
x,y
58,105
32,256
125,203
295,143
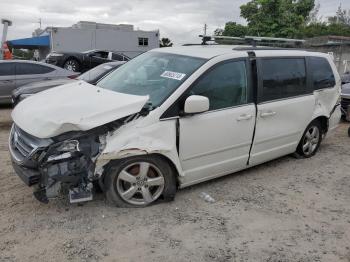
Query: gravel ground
x,y
284,210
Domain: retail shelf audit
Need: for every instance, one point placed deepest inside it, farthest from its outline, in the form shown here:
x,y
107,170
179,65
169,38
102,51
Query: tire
x,y
311,140
71,64
139,181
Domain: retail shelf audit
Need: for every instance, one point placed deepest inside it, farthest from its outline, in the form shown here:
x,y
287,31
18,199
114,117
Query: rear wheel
x,y
71,65
139,181
311,140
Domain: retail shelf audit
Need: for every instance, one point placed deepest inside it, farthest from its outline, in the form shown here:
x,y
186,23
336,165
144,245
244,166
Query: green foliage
x,y
287,18
276,18
23,54
342,17
165,42
234,29
337,25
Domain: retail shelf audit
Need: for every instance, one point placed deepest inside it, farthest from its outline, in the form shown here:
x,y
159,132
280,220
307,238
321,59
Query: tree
x,y
342,17
165,42
218,31
313,16
234,29
339,24
287,18
277,18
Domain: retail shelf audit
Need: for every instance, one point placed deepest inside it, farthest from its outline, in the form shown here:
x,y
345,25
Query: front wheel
x,y
311,140
139,181
71,65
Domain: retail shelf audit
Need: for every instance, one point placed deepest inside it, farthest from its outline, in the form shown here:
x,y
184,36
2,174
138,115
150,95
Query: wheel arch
x,y
324,121
105,164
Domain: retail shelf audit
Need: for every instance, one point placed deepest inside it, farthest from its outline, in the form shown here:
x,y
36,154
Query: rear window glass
x,y
7,69
32,69
321,72
282,78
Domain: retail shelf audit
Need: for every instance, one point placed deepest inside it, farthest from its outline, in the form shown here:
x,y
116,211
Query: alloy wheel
x,y
70,65
310,141
140,183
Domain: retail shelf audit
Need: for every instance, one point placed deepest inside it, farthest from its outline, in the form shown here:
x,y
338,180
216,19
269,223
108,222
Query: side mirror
x,y
196,104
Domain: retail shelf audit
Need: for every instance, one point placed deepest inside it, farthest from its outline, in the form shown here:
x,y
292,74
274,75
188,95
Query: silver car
x,y
15,73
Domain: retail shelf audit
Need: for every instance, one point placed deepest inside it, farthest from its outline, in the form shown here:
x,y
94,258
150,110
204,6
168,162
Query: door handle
x,y
244,117
268,114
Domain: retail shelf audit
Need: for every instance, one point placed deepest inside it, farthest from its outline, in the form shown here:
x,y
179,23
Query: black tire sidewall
x,y
116,167
300,149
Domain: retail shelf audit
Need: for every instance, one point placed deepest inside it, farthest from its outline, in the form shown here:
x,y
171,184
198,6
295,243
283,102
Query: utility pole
x,y
205,29
6,24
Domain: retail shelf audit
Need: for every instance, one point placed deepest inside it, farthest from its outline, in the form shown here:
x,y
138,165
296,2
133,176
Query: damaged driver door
x,y
217,142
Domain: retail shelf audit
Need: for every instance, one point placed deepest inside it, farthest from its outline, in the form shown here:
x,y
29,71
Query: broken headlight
x,y
68,146
63,150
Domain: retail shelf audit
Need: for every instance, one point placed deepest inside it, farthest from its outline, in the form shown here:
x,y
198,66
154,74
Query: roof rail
x,y
253,40
245,48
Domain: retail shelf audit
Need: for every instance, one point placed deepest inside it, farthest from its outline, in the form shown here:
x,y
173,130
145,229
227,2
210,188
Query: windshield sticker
x,y
173,75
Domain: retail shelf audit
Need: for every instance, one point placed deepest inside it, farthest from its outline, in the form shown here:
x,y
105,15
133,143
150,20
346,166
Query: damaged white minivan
x,y
171,118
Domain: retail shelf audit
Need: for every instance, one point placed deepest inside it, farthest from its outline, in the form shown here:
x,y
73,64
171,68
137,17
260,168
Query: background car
x,y
91,76
345,101
80,62
16,73
345,78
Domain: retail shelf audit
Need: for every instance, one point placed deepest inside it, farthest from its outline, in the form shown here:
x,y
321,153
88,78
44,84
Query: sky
x,y
181,20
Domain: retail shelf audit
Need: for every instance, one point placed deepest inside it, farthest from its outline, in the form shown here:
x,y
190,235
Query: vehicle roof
x,y
210,51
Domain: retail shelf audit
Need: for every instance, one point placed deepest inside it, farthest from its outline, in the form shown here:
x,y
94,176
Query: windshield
x,y
153,73
94,73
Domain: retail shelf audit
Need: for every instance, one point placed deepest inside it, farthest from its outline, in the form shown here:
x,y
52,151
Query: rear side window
x,y
117,57
7,69
321,73
225,85
282,78
32,69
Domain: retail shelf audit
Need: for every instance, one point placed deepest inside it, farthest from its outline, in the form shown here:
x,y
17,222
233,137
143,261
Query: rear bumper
x,y
29,176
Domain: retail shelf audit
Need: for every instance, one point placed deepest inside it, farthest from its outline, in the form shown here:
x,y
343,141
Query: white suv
x,y
171,118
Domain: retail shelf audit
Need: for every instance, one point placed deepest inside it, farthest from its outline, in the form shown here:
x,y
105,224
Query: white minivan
x,y
171,118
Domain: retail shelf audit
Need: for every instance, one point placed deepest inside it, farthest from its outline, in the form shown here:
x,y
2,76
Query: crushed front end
x,y
53,166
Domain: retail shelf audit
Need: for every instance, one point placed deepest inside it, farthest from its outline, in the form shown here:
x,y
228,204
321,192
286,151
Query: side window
x,y
143,41
225,85
32,69
321,73
117,57
7,69
282,78
100,54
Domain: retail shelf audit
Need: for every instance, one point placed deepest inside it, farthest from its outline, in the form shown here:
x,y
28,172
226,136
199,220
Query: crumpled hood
x,y
73,107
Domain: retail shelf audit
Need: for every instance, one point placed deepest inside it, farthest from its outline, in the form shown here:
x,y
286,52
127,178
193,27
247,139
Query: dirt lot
x,y
285,210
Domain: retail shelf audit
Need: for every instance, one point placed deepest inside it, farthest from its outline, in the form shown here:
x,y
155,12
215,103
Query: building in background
x,y
84,36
